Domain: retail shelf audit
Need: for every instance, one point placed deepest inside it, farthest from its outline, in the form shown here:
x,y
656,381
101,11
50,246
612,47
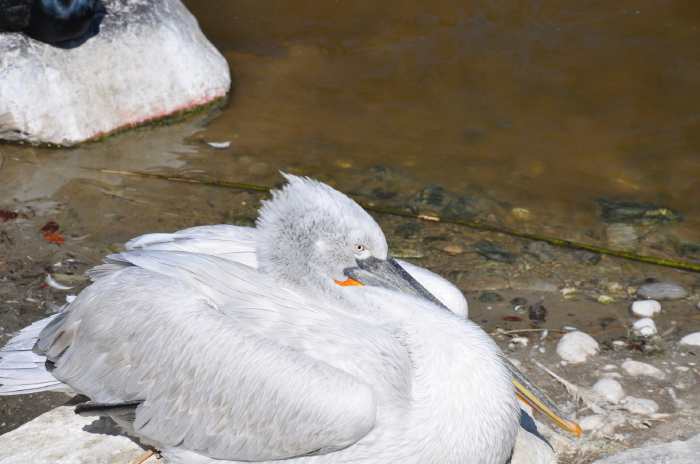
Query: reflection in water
x,y
540,105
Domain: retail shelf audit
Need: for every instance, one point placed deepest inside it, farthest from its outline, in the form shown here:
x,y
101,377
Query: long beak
x,y
530,394
389,274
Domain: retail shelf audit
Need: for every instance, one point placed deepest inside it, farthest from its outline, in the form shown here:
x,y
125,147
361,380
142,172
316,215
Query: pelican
x,y
300,340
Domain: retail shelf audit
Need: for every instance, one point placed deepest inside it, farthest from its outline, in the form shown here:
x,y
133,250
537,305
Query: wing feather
x,y
191,337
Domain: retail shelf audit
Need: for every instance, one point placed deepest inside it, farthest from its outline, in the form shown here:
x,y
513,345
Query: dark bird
x,y
62,23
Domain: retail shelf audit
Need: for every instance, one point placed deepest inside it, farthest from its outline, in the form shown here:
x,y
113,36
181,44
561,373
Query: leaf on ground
x,y
50,227
50,233
54,237
7,215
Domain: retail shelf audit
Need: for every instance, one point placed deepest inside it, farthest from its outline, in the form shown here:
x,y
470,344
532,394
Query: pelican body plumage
x,y
301,339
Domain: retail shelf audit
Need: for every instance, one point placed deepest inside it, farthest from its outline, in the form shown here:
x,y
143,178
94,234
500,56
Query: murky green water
x,y
540,105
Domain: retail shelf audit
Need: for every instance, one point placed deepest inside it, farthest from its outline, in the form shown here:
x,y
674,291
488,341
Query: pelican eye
x,y
359,248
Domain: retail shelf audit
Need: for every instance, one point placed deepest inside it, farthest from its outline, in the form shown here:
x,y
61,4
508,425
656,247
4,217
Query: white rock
x,y
644,327
576,347
692,339
662,291
645,308
610,389
641,406
676,452
592,422
149,60
637,368
59,437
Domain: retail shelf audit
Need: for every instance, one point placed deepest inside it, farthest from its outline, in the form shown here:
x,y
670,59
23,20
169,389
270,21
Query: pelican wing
x,y
189,337
232,242
238,244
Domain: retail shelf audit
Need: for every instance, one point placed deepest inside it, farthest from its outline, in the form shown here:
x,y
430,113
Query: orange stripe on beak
x,y
348,282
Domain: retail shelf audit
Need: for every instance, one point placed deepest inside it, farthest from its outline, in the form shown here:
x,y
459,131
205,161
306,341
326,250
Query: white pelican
x,y
301,339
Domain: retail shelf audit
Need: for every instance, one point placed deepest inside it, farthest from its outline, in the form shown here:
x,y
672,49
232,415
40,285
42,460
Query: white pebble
x,y
576,347
692,339
646,308
637,368
522,341
609,367
641,406
644,327
593,422
609,389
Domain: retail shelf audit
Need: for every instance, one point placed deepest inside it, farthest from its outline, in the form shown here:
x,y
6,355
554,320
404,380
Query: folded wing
x,y
171,331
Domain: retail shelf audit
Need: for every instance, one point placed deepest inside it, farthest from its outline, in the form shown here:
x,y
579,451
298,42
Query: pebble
x,y
641,406
519,341
575,347
644,327
490,297
645,308
610,389
537,313
568,292
494,252
605,299
692,339
662,291
543,251
523,214
637,368
453,249
592,422
622,236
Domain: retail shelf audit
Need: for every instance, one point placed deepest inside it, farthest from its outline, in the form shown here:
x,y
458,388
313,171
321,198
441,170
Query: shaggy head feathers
x,y
310,232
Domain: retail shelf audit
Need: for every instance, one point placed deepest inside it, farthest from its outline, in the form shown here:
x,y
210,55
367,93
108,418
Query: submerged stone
x,y
436,199
493,252
662,291
613,211
150,60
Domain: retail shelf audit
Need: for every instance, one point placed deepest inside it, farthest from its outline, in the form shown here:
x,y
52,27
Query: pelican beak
x,y
531,395
387,273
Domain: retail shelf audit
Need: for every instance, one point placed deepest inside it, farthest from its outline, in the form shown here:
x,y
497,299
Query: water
x,y
538,105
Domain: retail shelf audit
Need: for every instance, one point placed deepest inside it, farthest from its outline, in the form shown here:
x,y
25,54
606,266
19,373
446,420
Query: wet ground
x,y
576,122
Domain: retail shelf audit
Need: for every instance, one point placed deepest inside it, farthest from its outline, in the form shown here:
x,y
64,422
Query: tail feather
x,y
21,370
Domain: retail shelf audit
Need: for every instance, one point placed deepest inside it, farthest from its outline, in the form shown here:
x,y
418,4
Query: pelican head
x,y
316,238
